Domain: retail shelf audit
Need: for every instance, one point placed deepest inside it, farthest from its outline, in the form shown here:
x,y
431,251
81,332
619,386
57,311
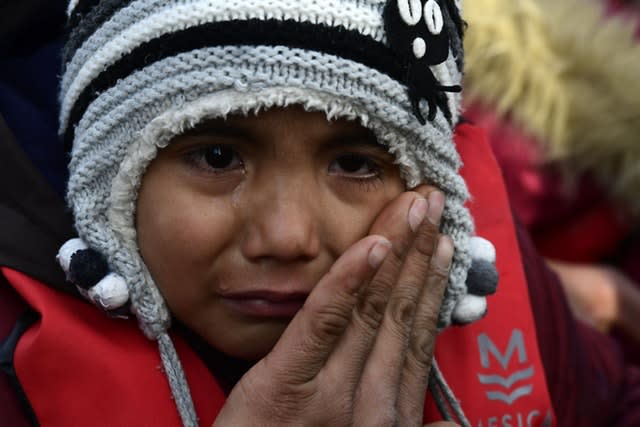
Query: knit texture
x,y
111,116
138,73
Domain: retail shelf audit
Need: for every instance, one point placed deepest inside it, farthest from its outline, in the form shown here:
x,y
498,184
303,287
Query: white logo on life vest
x,y
511,387
519,419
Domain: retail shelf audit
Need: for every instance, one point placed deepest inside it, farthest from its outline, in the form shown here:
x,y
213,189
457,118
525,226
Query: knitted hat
x,y
139,72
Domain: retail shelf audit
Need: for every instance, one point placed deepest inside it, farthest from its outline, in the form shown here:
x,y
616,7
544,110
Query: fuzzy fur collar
x,y
567,75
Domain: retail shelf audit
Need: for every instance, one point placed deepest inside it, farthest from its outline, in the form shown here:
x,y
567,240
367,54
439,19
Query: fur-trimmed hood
x,y
567,75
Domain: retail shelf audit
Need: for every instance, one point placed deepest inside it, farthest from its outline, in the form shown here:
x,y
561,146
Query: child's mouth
x,y
266,303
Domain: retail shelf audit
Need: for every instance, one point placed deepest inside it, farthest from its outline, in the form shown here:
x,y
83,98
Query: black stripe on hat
x,y
339,41
82,24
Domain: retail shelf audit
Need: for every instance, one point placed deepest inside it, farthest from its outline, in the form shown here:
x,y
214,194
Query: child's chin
x,y
252,346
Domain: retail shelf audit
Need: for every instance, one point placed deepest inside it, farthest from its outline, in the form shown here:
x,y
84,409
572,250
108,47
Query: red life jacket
x,y
77,367
493,365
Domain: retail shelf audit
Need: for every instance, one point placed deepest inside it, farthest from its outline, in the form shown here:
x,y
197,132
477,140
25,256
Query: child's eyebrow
x,y
356,138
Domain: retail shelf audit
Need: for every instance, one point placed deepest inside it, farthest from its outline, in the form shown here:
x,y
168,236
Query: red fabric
x,y
78,365
11,307
577,223
591,236
459,351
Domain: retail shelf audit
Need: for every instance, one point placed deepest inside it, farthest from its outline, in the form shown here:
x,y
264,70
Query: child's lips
x,y
266,303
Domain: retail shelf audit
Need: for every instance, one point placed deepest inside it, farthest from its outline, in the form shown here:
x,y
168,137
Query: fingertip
x,y
379,252
424,189
444,252
417,212
436,206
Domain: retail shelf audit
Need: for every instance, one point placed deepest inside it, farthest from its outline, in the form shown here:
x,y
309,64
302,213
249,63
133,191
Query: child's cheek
x,y
180,230
355,210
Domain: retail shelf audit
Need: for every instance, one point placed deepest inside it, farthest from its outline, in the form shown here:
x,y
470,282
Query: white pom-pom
x,y
482,249
67,250
469,309
110,293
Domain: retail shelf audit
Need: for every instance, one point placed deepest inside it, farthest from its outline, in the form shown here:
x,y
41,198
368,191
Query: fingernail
x,y
417,212
379,252
436,206
444,252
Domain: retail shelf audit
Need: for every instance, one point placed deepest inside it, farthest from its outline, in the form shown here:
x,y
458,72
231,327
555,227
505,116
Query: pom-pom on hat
x,y
136,73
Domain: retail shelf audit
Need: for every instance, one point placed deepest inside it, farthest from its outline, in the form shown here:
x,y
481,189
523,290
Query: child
x,y
261,185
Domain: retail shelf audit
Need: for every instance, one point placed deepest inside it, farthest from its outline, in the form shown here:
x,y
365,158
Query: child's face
x,y
239,219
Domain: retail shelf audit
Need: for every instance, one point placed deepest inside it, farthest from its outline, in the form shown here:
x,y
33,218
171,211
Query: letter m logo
x,y
516,343
501,385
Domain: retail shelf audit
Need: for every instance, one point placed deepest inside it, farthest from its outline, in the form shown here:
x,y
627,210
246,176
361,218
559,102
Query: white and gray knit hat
x,y
139,72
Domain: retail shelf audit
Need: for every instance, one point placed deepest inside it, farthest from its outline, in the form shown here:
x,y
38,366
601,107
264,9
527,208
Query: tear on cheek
x,y
236,195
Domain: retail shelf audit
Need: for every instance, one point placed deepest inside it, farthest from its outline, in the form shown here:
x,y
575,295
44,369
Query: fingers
x,y
386,363
366,332
415,374
317,327
351,353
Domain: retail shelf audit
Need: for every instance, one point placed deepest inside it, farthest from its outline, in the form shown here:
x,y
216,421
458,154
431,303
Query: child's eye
x,y
220,157
216,158
355,165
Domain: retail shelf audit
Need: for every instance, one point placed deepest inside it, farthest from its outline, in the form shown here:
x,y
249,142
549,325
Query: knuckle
x,y
371,308
399,249
329,320
402,307
439,272
427,318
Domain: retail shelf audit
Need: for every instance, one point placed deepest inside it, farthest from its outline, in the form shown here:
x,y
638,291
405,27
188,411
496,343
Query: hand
x,y
359,351
600,296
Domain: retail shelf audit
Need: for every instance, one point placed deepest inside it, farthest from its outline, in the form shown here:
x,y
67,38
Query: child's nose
x,y
282,224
